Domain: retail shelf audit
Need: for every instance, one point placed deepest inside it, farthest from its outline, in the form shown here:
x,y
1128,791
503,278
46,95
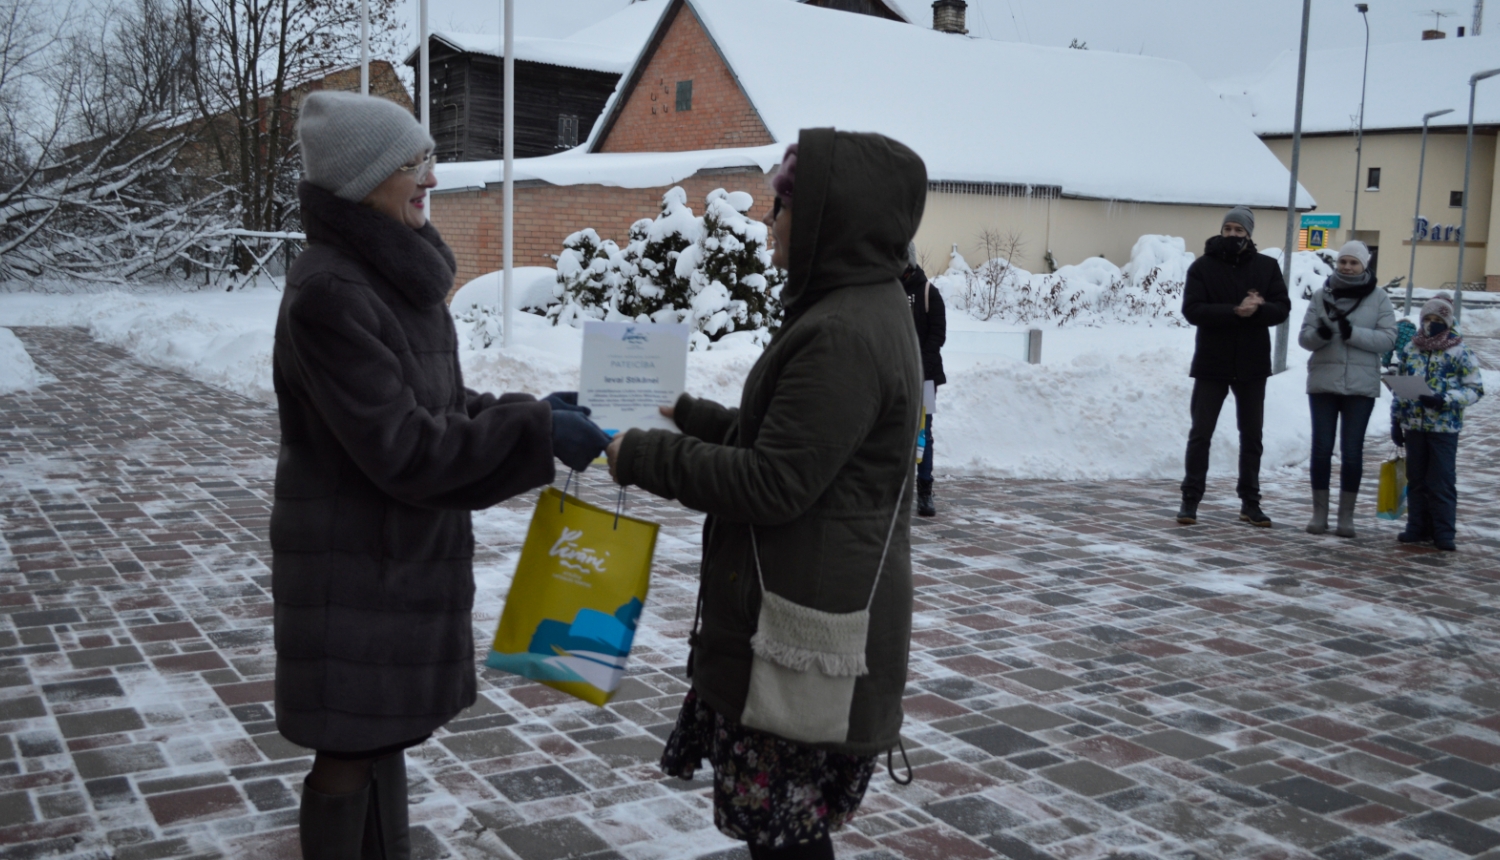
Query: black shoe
x,y
1251,513
1445,544
1409,536
1187,515
925,507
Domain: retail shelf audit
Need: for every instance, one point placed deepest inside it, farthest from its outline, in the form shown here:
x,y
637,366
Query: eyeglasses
x,y
422,169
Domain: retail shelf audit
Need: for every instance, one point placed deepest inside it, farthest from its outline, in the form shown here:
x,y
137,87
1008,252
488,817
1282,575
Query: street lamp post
x,y
1463,228
1283,331
1416,217
508,148
1359,139
364,47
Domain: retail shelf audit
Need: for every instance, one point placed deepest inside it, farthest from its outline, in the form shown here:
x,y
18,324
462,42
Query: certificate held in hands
x,y
1407,387
629,369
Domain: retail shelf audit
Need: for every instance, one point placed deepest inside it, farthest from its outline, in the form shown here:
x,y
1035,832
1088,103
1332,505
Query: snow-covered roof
x,y
626,30
1094,123
1407,79
621,169
554,52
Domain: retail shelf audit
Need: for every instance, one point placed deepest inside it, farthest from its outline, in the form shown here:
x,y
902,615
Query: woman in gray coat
x,y
383,454
1348,324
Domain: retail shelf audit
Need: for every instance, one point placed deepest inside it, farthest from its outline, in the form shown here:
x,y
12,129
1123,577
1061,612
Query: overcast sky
x,y
1218,38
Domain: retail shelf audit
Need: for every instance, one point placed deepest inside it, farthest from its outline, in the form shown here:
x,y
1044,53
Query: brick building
x,y
1059,150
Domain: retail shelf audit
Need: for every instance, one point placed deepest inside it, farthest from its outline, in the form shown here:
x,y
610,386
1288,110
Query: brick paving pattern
x,y
1088,678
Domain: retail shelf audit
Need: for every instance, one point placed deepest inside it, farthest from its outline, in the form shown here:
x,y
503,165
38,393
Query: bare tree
x,y
246,58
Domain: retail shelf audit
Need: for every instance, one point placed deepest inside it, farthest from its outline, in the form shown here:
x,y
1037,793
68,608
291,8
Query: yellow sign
x,y
1317,237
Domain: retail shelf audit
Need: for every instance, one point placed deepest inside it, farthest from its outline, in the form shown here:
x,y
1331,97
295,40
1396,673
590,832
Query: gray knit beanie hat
x,y
1242,216
1440,305
351,143
1358,250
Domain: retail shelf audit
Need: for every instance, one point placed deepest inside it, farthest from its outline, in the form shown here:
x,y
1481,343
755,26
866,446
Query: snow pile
x,y
17,371
1095,292
713,272
1310,269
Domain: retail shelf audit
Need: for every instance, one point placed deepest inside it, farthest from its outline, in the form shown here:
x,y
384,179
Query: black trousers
x,y
1250,414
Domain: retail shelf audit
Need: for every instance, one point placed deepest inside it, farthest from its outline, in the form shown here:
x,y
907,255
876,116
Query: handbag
x,y
1391,497
577,595
805,661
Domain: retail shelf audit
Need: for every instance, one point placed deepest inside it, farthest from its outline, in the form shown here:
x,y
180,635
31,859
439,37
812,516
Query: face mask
x,y
1435,327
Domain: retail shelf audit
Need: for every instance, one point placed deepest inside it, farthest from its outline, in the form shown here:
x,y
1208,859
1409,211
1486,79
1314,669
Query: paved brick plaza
x,y
1088,678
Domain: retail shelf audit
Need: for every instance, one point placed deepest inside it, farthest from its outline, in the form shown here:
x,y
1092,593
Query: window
x,y
684,95
1374,183
1455,199
567,131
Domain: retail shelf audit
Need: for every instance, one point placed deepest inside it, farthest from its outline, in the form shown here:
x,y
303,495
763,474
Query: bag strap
x,y
927,297
885,550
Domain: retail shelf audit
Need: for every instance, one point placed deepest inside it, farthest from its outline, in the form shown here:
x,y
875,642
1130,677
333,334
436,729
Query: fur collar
x,y
416,262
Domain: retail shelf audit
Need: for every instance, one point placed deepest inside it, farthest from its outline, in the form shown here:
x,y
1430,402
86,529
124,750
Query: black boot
x,y
925,507
332,825
1187,513
1251,513
387,832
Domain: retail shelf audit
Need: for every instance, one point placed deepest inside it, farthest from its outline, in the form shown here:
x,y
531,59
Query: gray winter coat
x,y
1337,367
383,454
817,453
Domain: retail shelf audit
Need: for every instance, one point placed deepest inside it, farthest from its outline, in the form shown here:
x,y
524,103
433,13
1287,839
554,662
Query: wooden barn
x,y
561,88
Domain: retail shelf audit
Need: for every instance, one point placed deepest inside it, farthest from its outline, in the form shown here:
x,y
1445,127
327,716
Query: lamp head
x,y
1362,7
1479,76
1436,113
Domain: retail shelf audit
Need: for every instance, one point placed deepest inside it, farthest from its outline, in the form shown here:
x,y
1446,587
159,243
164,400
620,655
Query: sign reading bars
x,y
629,369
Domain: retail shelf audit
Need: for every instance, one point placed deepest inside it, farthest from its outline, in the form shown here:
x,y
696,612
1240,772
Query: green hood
x,y
859,199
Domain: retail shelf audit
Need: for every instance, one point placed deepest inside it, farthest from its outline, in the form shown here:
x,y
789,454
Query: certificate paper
x,y
1407,387
629,369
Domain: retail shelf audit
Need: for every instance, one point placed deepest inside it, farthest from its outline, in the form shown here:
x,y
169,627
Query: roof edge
x,y
632,78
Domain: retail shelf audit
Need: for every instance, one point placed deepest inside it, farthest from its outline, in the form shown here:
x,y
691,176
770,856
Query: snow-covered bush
x,y
713,272
1094,292
1309,269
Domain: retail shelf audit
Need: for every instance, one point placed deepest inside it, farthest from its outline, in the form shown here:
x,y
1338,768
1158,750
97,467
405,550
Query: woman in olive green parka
x,y
816,460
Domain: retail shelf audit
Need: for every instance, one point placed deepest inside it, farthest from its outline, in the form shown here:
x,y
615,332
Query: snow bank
x,y
1109,401
17,371
532,286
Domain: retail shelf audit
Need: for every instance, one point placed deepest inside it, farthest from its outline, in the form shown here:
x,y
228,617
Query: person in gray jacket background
x,y
1348,324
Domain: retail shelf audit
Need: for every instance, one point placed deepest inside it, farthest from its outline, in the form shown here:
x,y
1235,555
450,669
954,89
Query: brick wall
x,y
470,221
721,115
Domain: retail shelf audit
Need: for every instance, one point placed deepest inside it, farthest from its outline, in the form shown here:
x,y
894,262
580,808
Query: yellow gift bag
x,y
1391,499
577,594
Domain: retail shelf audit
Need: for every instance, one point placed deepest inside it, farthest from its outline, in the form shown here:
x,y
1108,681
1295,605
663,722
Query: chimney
x,y
948,16
1428,35
1460,32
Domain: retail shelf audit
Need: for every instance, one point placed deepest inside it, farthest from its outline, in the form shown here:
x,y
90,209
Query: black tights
x,y
818,849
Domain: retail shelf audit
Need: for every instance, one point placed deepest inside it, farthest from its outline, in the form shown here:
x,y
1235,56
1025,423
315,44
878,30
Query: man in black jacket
x,y
1234,295
932,330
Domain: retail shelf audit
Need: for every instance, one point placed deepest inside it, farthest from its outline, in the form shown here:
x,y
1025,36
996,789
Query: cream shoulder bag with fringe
x,y
806,661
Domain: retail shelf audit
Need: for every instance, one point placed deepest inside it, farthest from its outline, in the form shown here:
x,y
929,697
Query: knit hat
x,y
784,180
1439,305
352,143
1358,250
1242,216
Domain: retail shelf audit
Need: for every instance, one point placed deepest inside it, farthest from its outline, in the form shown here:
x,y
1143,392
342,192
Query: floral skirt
x,y
768,791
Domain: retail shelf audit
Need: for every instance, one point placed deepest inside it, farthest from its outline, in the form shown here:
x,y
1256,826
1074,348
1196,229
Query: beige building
x,y
1406,80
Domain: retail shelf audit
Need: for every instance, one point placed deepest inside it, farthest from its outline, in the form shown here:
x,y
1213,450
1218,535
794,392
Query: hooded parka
x,y
383,454
817,454
1337,366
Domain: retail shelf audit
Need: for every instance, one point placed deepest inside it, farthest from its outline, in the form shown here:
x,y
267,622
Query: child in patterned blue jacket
x,y
1429,426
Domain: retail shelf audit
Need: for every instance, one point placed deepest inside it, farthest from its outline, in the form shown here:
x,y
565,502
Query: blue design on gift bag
x,y
591,649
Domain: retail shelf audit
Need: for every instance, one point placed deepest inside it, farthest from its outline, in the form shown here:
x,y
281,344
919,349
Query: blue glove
x,y
565,401
575,439
1435,402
